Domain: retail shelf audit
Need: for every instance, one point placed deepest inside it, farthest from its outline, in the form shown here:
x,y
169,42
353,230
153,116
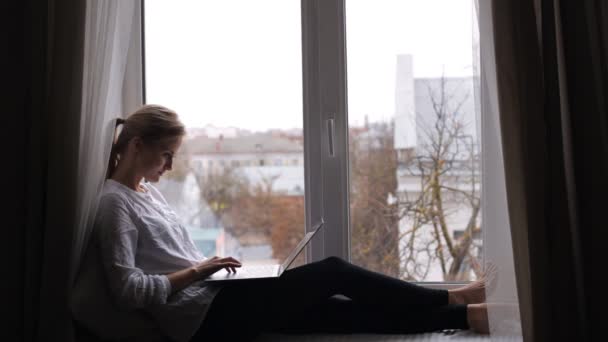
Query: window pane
x,y
233,72
414,141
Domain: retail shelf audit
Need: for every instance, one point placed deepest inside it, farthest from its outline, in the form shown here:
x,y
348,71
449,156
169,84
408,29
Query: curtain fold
x,y
582,78
520,88
24,29
94,56
111,88
503,312
552,81
62,101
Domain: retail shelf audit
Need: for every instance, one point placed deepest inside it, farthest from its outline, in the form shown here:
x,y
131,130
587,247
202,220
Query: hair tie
x,y
119,121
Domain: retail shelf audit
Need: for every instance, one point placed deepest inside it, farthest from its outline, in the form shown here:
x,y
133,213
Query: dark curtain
x,y
44,46
552,82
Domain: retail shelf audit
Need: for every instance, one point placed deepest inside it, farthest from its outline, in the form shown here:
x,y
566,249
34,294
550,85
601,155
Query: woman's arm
x,y
181,279
128,285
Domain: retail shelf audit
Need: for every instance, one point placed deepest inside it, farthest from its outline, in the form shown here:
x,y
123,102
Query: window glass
x,y
414,148
233,72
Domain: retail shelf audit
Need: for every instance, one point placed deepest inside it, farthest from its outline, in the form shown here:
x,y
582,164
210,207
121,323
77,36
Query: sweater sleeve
x,y
128,285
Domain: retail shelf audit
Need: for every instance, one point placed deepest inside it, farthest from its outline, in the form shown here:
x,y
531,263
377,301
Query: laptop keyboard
x,y
257,270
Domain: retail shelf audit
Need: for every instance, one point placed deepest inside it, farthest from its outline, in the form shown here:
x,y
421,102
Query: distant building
x,y
259,157
211,131
405,108
417,101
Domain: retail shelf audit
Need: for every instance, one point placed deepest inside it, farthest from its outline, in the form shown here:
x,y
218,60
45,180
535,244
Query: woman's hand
x,y
212,265
187,276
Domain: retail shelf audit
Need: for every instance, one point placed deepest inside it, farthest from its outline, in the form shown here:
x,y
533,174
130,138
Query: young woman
x,y
152,264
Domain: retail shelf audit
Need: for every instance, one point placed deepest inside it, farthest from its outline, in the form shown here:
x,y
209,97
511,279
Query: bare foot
x,y
477,318
475,292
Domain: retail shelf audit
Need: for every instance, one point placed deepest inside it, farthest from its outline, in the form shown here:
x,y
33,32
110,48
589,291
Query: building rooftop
x,y
256,143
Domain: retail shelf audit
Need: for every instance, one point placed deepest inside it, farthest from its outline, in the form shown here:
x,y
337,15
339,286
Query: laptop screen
x,y
294,254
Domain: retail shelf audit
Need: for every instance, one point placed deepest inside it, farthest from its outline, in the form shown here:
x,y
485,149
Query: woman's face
x,y
158,158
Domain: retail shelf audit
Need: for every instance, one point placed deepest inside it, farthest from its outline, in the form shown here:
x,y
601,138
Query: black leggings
x,y
303,300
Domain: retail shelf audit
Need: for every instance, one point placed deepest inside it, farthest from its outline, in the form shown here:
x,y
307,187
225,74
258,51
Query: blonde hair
x,y
152,123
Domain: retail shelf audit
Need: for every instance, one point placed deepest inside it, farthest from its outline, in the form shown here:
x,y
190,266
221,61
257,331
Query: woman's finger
x,y
228,265
231,259
232,263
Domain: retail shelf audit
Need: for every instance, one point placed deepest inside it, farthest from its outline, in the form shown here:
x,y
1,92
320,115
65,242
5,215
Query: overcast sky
x,y
238,62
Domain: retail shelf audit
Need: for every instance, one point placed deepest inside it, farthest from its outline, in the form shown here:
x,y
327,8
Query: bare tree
x,y
254,213
374,217
219,188
445,165
251,213
409,232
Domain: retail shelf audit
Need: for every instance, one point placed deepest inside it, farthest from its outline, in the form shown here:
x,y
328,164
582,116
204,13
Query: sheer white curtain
x,y
503,301
111,87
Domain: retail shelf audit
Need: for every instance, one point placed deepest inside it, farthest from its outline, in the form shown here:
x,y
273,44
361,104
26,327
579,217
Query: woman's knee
x,y
334,262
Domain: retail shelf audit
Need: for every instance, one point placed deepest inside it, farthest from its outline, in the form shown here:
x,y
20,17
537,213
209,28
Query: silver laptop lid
x,y
300,246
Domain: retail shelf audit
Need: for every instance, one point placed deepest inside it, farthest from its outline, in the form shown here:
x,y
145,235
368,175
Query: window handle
x,y
330,134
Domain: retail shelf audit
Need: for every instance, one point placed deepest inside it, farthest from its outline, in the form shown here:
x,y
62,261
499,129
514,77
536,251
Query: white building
x,y
417,101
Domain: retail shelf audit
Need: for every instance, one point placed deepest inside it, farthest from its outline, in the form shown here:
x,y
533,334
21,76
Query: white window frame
x,y
325,127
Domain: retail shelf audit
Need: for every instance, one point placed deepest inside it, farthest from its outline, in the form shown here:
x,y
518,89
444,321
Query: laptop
x,y
265,271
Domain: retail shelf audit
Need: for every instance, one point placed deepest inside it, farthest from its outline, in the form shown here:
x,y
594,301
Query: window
x,y
219,65
397,177
413,142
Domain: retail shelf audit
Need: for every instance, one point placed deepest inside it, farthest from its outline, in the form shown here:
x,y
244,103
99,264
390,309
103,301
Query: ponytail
x,y
114,150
